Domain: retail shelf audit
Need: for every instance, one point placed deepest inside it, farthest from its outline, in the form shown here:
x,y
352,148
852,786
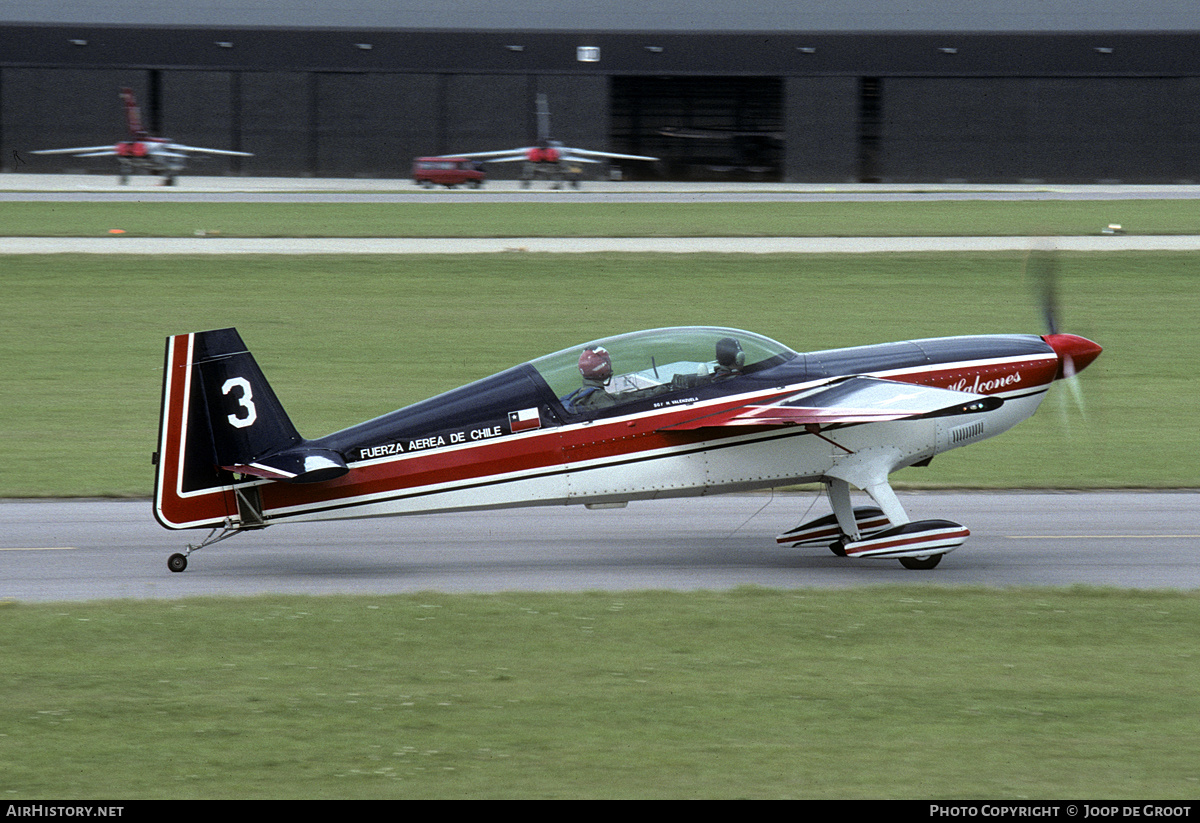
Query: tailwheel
x,y
178,561
921,563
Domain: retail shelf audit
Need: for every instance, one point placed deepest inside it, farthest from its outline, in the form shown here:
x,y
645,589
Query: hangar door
x,y
704,128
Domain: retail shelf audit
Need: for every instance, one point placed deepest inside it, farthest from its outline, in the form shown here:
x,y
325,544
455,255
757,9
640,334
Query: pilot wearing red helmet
x,y
595,369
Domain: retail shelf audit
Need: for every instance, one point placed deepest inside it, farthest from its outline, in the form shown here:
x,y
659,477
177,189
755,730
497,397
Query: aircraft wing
x,y
570,153
181,147
84,151
847,400
501,156
565,153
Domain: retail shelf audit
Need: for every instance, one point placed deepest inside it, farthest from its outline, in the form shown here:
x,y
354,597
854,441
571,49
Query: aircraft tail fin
x,y
543,119
133,115
220,419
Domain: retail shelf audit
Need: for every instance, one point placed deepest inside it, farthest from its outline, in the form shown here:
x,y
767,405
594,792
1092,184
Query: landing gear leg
x,y
843,507
900,535
882,494
178,561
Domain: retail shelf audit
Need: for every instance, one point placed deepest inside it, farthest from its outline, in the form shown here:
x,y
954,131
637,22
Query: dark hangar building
x,y
857,90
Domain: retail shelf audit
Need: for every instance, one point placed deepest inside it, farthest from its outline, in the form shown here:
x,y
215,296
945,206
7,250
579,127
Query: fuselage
x,y
152,153
624,452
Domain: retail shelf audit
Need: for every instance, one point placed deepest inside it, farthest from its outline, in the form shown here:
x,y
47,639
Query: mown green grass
x,y
877,693
494,219
345,338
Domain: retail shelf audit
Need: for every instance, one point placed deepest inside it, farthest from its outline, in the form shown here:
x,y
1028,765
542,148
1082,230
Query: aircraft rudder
x,y
245,416
133,115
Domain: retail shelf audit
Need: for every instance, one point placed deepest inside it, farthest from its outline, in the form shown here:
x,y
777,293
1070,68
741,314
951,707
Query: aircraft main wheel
x,y
177,562
838,548
921,563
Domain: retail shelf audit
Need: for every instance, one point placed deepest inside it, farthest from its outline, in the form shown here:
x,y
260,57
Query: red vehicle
x,y
448,172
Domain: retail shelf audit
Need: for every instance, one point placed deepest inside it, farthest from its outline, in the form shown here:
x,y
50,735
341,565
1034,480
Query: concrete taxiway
x,y
104,187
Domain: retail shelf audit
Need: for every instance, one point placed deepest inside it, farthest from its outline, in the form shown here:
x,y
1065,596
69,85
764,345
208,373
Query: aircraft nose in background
x,y
1075,353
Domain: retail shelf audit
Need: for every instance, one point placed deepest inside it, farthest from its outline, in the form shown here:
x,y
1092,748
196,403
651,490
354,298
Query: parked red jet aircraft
x,y
156,155
547,157
654,414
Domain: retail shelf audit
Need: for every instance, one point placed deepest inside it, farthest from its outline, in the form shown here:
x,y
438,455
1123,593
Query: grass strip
x,y
148,218
345,338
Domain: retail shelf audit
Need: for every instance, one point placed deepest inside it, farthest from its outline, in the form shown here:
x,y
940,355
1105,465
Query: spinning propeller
x,y
1075,353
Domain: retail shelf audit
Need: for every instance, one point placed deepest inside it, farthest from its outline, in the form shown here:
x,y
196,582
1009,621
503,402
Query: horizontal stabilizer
x,y
298,465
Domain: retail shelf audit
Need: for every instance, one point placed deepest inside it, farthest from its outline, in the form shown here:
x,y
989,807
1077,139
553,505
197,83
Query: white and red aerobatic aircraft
x,y
654,414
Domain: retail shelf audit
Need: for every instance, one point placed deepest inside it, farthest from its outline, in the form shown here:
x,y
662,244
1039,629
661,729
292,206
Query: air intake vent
x,y
964,433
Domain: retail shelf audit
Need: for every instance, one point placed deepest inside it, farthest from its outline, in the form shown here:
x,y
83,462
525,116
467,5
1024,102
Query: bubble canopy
x,y
658,360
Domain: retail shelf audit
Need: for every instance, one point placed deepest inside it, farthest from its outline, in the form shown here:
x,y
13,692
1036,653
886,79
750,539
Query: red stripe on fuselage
x,y
1004,377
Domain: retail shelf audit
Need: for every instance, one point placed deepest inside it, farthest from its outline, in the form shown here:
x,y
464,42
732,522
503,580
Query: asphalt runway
x,y
92,550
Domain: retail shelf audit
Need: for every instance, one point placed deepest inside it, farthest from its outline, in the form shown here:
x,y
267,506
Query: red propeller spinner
x,y
1075,353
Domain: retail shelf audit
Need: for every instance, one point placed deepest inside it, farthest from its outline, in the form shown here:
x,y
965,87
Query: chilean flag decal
x,y
524,420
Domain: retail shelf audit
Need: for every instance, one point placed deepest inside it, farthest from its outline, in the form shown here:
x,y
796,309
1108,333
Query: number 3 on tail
x,y
245,401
